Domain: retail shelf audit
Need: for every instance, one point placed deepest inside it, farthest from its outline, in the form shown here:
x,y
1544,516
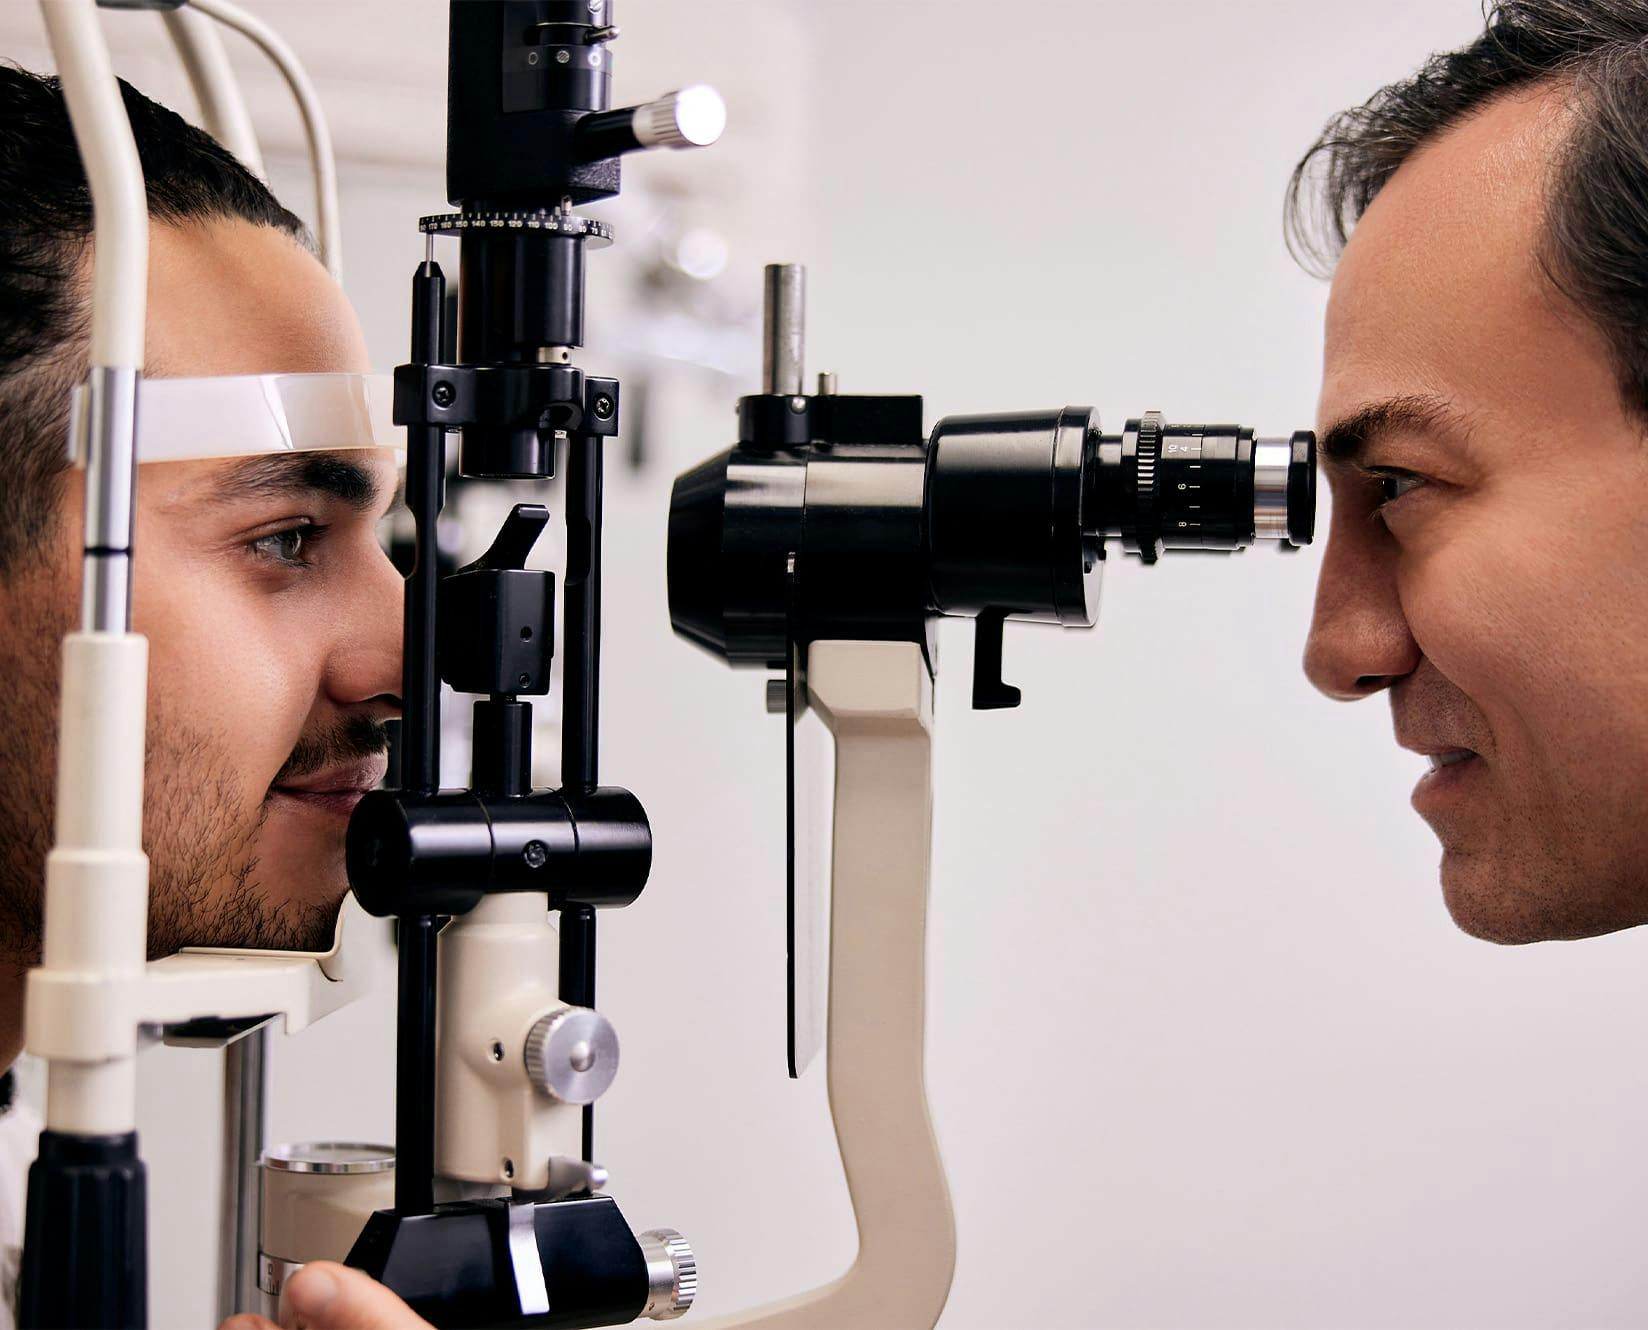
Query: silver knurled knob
x,y
691,118
572,1054
672,1274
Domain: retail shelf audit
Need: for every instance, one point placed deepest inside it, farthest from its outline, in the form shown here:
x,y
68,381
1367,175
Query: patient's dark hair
x,y
1594,246
45,234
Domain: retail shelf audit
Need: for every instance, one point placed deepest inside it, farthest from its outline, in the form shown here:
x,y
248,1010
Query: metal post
x,y
245,1118
784,324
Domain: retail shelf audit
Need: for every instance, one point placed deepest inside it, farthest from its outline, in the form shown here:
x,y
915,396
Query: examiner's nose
x,y
1359,640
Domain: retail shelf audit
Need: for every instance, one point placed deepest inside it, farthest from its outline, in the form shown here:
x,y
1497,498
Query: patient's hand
x,y
324,1296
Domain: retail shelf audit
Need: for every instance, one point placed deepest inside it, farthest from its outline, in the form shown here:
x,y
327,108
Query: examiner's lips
x,y
1452,770
335,790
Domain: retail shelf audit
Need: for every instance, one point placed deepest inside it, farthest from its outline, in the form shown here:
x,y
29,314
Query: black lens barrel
x,y
1159,486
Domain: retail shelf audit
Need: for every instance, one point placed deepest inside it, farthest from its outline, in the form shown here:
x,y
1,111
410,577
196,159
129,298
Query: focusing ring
x,y
1147,452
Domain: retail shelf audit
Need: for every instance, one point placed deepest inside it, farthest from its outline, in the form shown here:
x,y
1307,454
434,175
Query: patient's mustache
x,y
351,739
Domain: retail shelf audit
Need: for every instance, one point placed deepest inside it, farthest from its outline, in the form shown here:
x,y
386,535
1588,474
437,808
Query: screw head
x,y
604,407
532,57
798,404
562,56
536,854
443,394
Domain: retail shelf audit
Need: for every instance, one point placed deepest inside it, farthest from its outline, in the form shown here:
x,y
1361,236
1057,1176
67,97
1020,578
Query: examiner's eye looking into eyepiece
x,y
1393,485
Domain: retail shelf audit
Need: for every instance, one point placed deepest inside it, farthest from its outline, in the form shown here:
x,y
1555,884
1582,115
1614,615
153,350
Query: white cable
x,y
217,91
321,157
120,208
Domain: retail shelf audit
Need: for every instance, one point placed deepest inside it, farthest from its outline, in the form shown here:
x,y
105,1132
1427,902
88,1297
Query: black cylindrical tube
x,y
614,847
606,134
519,289
1004,516
501,759
520,292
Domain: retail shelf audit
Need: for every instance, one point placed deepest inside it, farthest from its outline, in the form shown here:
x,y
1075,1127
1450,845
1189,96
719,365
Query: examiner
x,y
1484,429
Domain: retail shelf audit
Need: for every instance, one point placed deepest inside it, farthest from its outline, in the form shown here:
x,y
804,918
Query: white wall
x,y
1205,1049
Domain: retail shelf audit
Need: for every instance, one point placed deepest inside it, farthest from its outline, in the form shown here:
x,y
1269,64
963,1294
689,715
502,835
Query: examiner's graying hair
x,y
1595,243
45,231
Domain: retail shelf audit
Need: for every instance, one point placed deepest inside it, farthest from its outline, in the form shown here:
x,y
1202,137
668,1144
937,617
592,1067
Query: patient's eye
x,y
292,545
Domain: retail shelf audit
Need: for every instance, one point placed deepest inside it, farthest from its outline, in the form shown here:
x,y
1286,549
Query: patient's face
x,y
1487,561
273,621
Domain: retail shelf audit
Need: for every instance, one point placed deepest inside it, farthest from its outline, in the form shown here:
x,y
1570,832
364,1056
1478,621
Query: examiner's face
x,y
272,614
1487,562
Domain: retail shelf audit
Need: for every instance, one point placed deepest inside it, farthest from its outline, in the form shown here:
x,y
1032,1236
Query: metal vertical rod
x,y
415,1067
245,1117
784,328
581,700
425,484
581,681
420,770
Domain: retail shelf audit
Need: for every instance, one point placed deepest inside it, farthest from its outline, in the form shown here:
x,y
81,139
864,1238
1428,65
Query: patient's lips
x,y
336,789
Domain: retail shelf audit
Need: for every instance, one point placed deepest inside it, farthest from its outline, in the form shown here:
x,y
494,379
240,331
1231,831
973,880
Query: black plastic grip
x,y
85,1243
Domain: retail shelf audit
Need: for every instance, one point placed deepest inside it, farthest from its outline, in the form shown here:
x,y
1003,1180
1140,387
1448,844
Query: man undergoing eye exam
x,y
273,615
1484,395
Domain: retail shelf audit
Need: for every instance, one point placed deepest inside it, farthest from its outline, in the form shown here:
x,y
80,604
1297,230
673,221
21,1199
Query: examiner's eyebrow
x,y
1350,437
290,475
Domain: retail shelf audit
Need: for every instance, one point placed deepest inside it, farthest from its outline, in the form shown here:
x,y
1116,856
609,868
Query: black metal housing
x,y
520,79
455,1265
834,518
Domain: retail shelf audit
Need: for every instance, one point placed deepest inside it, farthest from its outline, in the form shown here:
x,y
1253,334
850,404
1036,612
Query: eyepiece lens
x,y
1301,488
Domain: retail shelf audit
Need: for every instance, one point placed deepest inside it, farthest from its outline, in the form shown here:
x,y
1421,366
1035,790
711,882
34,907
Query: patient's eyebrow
x,y
1350,438
295,475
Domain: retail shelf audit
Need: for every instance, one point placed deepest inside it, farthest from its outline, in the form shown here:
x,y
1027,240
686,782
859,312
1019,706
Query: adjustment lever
x,y
514,541
989,692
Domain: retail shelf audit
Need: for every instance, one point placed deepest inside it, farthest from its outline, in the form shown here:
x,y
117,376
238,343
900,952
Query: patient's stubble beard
x,y
199,834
